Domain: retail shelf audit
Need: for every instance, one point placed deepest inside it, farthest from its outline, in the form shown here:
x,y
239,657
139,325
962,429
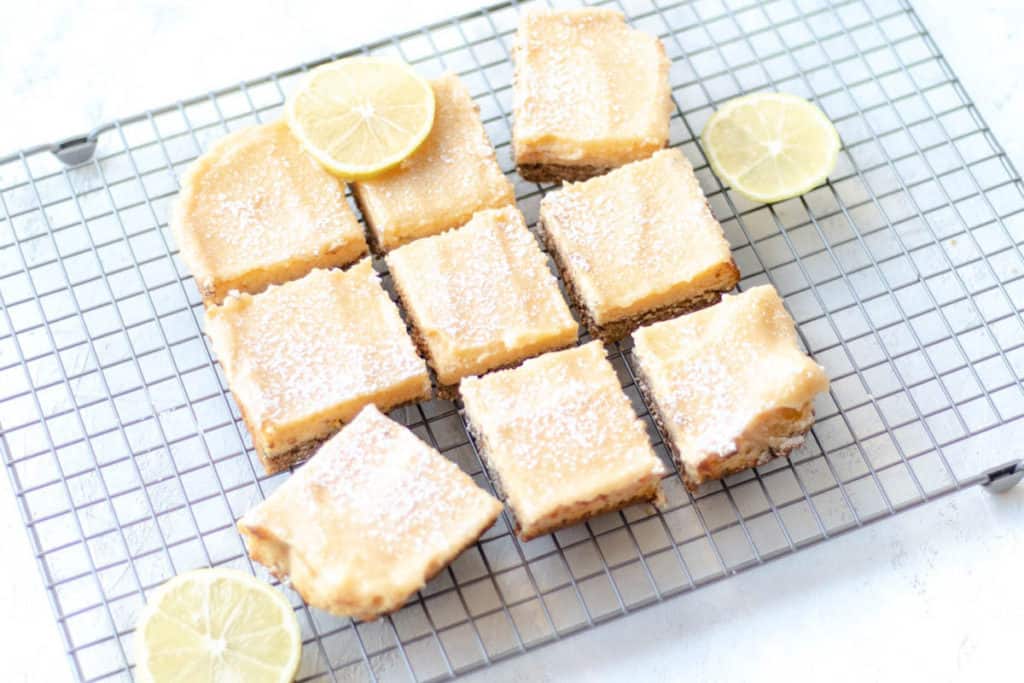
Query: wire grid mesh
x,y
130,464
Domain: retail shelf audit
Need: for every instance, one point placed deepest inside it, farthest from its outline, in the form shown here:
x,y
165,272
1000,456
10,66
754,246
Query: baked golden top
x,y
315,349
256,205
715,372
589,89
639,237
373,514
481,296
559,431
450,177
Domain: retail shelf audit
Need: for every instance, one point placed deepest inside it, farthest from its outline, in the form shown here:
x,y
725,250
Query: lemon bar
x,y
591,94
561,439
452,175
304,357
729,385
369,520
637,245
257,210
480,297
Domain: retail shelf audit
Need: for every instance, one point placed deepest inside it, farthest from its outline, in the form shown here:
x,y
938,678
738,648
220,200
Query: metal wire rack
x,y
904,272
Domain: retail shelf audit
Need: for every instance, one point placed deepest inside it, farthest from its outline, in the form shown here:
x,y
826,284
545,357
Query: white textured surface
x,y
934,594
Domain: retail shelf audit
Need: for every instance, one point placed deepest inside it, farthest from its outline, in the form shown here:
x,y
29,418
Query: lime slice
x,y
217,625
770,146
360,116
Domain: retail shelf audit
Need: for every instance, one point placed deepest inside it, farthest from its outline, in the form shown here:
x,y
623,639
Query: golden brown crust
x,y
618,329
371,234
558,173
445,392
576,513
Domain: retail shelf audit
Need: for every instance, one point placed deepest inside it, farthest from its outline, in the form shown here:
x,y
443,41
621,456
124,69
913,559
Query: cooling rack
x,y
130,464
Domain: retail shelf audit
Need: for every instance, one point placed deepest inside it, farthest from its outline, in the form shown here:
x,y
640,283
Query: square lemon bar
x,y
729,385
304,357
369,520
637,245
561,439
452,175
480,297
591,94
257,210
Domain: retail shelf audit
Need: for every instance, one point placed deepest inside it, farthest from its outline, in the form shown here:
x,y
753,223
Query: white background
x,y
936,594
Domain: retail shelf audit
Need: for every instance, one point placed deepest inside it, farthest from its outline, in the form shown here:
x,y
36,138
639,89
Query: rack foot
x,y
1003,478
75,150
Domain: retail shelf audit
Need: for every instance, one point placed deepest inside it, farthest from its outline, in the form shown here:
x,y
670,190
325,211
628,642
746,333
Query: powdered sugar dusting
x,y
714,372
638,231
482,286
258,199
585,75
450,177
385,487
558,424
309,345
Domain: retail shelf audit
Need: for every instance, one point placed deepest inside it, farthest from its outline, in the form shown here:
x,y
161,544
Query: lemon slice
x,y
361,116
770,146
217,625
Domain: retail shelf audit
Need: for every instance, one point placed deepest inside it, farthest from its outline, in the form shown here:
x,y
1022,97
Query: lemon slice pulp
x,y
362,115
217,625
770,146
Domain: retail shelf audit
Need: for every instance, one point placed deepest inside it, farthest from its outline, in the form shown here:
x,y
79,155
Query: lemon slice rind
x,y
770,147
173,641
360,116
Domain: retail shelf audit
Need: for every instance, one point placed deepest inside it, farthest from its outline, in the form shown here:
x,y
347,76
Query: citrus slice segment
x,y
362,115
217,625
770,146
